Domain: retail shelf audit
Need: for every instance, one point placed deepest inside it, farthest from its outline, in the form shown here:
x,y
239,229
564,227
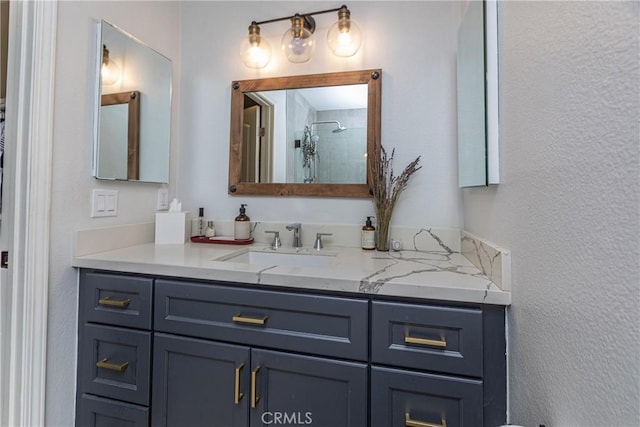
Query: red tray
x,y
225,240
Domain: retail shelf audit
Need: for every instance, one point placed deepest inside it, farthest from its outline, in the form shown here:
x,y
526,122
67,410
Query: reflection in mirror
x,y
304,135
120,135
328,127
132,137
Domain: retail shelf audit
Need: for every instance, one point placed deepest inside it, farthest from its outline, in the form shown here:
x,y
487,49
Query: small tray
x,y
225,240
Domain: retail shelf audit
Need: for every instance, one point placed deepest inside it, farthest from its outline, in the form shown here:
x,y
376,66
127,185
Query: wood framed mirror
x,y
310,135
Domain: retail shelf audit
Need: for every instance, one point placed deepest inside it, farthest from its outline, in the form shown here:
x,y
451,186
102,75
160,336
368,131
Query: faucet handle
x,y
318,244
275,243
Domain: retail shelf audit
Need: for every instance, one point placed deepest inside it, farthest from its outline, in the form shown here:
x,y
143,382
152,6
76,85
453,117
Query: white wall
x,y
413,42
568,208
72,154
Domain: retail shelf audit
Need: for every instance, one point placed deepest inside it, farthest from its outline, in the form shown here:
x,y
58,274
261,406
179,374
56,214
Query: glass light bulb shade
x,y
344,38
298,46
110,72
255,52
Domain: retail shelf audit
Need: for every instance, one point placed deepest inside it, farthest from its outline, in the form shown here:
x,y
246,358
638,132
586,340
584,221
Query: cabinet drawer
x,y
115,363
403,398
95,411
116,299
311,324
427,337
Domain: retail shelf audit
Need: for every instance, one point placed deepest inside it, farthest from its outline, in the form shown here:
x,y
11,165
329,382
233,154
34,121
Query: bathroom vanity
x,y
176,335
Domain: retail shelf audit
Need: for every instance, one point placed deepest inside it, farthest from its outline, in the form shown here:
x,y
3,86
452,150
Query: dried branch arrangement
x,y
386,189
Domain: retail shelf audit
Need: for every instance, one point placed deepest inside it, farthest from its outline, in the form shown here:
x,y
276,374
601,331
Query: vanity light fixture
x,y
110,71
298,43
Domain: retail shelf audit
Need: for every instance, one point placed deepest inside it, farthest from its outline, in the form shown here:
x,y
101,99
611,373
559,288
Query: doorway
x,y
24,225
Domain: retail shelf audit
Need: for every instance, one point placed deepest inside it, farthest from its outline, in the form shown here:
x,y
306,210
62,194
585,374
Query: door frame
x,y
26,214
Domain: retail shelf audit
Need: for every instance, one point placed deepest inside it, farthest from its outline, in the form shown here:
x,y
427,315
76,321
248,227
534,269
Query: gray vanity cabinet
x,y
114,350
437,365
178,352
207,383
234,356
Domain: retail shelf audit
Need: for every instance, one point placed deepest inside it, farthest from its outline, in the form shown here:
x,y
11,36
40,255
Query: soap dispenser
x,y
242,225
368,235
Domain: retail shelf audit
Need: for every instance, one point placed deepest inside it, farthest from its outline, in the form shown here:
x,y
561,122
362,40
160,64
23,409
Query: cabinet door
x,y
199,383
292,389
406,398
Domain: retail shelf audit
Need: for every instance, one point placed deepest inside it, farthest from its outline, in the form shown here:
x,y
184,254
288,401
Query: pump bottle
x,y
368,235
242,225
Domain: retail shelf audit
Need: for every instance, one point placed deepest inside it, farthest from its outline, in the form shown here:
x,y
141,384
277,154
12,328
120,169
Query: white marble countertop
x,y
417,274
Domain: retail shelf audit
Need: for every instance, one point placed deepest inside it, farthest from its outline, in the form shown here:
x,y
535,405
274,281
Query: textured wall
x,y
568,208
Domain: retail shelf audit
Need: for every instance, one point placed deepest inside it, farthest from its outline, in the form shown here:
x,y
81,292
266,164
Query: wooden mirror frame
x,y
373,80
133,128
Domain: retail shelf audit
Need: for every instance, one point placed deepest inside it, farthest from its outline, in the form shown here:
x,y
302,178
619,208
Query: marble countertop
x,y
409,273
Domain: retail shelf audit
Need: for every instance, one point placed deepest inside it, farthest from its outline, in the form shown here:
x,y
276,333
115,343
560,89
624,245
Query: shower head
x,y
339,127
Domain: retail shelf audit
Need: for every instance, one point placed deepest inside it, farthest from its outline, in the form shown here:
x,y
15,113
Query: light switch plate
x,y
104,203
163,199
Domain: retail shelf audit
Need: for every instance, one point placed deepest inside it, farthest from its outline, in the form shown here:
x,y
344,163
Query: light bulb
x,y
255,50
110,71
298,43
344,37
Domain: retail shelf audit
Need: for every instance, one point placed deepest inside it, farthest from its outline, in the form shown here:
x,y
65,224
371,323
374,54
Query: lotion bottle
x,y
368,235
242,225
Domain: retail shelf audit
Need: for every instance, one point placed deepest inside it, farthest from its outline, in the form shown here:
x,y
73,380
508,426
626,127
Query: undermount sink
x,y
298,259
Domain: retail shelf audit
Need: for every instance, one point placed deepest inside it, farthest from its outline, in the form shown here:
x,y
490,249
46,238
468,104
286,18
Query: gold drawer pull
x,y
254,394
442,343
108,302
105,364
238,395
252,320
408,422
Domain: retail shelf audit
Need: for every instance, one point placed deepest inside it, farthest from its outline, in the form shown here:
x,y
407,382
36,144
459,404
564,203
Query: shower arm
x,y
339,127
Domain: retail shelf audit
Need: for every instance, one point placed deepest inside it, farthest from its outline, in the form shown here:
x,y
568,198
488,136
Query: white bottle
x,y
198,225
211,230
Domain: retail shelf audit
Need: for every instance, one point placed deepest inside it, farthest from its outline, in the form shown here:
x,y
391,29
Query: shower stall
x,y
333,153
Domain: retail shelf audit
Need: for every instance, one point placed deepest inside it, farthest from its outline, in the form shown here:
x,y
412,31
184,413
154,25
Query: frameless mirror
x,y
133,112
477,95
304,135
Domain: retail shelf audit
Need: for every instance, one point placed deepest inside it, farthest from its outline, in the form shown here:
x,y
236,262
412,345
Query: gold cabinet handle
x,y
252,320
408,422
105,364
238,395
108,302
442,343
254,393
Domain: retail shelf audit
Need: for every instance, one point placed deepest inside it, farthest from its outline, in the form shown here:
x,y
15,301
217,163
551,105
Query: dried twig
x,y
386,188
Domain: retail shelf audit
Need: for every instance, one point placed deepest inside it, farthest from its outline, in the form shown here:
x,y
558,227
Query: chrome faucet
x,y
318,244
275,243
297,228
